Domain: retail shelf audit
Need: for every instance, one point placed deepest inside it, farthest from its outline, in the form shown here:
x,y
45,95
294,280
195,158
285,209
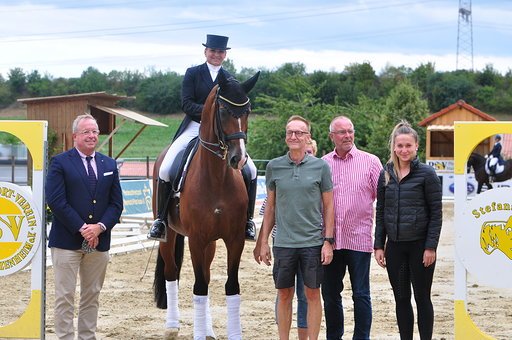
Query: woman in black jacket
x,y
408,225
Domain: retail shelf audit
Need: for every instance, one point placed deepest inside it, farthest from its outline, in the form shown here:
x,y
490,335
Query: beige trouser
x,y
92,268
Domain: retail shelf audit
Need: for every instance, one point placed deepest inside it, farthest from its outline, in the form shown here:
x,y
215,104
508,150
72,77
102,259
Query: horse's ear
x,y
221,78
249,83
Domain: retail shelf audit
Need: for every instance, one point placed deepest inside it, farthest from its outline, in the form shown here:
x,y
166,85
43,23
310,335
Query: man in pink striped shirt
x,y
355,175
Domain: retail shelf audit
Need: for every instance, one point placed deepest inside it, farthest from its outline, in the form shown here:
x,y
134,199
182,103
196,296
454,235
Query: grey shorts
x,y
287,260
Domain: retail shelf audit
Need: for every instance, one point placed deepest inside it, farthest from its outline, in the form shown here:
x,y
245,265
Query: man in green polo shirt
x,y
300,203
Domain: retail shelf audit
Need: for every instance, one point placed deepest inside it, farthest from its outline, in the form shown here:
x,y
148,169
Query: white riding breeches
x,y
181,143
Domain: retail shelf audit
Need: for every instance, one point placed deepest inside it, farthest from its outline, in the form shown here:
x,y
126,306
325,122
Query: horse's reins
x,y
222,138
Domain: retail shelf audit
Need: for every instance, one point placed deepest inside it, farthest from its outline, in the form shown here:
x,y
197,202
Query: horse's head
x,y
231,110
469,164
476,161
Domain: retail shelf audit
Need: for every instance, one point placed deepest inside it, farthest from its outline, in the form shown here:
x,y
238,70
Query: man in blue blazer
x,y
84,194
197,84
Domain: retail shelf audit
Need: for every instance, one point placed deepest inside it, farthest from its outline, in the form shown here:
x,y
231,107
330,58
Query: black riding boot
x,y
158,230
250,227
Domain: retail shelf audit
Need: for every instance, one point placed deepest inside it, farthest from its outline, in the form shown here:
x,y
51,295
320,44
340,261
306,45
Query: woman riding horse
x,y
478,161
197,84
495,158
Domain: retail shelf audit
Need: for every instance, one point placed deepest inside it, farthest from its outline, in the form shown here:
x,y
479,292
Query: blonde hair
x,y
312,142
402,128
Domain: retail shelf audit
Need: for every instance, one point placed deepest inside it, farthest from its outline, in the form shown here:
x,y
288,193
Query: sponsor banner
x,y
441,164
137,196
484,244
448,182
20,228
261,191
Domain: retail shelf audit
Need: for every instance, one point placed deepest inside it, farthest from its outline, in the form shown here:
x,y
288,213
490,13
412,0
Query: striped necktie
x,y
91,178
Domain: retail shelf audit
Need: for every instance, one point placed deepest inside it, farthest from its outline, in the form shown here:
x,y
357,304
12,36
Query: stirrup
x,y
250,230
156,232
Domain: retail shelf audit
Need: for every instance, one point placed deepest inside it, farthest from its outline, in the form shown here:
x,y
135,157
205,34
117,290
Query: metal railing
x,y
13,169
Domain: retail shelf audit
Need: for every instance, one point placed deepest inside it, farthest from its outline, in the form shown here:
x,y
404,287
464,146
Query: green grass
x,y
150,142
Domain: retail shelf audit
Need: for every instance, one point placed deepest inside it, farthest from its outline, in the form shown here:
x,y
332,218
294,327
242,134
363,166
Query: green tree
x,y
449,87
229,66
160,93
327,85
391,76
360,80
267,131
39,86
366,116
403,103
17,82
420,77
92,80
488,77
5,94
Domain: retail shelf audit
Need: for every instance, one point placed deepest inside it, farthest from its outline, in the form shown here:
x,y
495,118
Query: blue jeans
x,y
302,302
358,264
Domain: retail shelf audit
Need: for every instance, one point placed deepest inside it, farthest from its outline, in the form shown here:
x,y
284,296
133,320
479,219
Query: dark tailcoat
x,y
197,85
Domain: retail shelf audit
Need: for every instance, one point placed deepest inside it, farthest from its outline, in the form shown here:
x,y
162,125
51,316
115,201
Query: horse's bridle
x,y
221,145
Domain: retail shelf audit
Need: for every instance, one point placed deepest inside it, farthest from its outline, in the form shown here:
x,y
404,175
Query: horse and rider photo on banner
x,y
492,170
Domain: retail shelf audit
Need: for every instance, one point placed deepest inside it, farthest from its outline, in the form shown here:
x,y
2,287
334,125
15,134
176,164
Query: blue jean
x,y
302,302
358,264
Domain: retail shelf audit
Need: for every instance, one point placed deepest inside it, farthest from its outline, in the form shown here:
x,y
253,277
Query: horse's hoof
x,y
210,337
171,334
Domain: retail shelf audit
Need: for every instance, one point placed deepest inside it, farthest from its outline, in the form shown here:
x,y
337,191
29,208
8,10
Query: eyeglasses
x,y
343,132
298,134
88,132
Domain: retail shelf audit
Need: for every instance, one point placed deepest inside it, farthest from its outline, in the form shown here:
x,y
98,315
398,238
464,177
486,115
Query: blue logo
x,y
470,188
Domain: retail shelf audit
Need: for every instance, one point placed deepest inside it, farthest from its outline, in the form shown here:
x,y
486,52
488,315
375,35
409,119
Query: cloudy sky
x,y
64,37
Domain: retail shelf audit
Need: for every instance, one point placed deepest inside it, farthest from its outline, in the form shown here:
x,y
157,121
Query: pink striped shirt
x,y
355,181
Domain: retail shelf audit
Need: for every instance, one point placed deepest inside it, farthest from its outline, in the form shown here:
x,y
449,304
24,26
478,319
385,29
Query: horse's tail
x,y
159,283
159,289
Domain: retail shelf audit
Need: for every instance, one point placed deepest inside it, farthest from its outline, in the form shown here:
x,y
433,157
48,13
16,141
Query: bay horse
x,y
477,161
212,205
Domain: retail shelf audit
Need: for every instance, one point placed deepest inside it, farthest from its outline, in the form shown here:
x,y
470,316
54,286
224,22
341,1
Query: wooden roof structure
x,y
459,111
440,129
60,111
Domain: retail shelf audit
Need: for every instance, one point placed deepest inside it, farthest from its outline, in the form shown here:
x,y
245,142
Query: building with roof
x,y
439,151
439,139
60,111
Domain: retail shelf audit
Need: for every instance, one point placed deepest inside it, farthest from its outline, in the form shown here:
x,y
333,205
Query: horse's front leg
x,y
202,257
234,324
169,264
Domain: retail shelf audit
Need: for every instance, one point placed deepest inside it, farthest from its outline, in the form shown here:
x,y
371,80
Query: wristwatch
x,y
329,239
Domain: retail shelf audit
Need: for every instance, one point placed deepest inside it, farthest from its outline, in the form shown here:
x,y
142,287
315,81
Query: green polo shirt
x,y
298,209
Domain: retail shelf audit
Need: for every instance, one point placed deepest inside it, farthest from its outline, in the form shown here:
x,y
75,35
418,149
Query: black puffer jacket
x,y
410,210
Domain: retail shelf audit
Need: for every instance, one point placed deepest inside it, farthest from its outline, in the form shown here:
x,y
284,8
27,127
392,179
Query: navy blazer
x,y
73,204
197,85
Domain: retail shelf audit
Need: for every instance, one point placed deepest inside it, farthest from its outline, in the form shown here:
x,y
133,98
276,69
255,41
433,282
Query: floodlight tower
x,y
465,37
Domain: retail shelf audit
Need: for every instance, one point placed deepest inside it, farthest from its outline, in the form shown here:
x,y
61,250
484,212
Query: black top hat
x,y
216,42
